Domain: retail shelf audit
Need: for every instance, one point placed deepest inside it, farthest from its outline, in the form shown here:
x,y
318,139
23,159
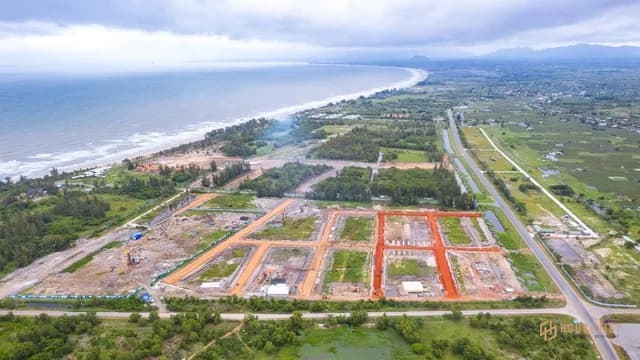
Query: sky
x,y
82,35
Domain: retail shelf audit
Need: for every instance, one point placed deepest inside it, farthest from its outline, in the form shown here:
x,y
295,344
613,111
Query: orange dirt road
x,y
441,259
198,201
378,259
250,267
203,259
321,248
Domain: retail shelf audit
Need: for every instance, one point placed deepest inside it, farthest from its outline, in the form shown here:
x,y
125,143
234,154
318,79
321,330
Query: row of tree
x,y
277,181
350,184
230,172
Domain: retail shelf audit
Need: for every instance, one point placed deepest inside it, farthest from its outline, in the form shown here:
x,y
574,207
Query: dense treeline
x,y
519,206
29,231
359,145
350,184
250,131
409,186
44,337
230,172
277,181
84,337
363,143
264,305
77,204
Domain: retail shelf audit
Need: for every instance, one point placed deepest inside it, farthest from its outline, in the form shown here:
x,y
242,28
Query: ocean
x,y
71,122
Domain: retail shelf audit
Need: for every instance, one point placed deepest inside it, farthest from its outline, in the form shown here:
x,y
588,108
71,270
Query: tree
x,y
135,317
206,182
358,318
383,322
213,166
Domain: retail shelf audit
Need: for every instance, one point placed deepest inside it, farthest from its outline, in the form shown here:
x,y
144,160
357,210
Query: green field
x,y
223,269
407,267
232,201
348,266
438,338
454,231
406,155
357,229
289,229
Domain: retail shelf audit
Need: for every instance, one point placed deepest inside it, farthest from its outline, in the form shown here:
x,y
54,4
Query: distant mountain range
x,y
579,51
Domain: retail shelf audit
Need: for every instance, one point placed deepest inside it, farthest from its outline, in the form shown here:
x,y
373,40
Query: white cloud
x,y
94,47
75,34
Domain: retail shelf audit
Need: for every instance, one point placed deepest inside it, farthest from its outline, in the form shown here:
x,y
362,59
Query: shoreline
x,y
195,132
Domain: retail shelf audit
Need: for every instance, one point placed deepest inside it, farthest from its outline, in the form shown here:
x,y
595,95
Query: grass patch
x,y
211,237
289,229
405,155
348,266
624,318
337,129
454,231
533,275
223,268
80,263
357,229
346,343
232,201
408,267
112,245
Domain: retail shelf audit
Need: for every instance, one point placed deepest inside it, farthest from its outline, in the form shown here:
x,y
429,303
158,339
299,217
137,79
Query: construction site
x,y
407,255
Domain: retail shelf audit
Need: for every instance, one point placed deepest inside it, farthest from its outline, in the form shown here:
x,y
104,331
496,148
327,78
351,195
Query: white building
x,y
412,287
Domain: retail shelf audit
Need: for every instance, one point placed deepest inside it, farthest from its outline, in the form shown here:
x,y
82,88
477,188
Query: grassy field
x,y
290,229
337,129
357,229
475,138
361,343
346,343
454,231
348,266
232,201
224,268
533,275
407,267
406,155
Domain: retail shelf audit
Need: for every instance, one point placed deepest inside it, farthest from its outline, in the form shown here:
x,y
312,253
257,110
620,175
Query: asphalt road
x,y
576,306
240,316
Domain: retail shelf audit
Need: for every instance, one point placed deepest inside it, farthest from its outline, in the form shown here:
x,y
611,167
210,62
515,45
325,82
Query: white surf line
x,y
545,191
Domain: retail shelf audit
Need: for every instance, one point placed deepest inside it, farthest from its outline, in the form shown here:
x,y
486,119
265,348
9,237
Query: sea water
x,y
68,122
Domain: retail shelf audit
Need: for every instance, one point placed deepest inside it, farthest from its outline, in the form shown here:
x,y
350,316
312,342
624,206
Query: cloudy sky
x,y
43,35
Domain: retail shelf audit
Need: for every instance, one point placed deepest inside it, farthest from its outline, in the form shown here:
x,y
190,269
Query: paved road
x,y
576,306
240,316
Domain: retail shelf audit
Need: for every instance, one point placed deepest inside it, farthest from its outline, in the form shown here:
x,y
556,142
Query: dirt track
x,y
203,259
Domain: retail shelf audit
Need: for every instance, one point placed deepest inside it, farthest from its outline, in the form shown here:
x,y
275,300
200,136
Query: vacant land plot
x,y
407,230
404,155
348,274
357,229
408,267
289,229
110,272
224,266
486,274
233,201
411,265
453,231
281,265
